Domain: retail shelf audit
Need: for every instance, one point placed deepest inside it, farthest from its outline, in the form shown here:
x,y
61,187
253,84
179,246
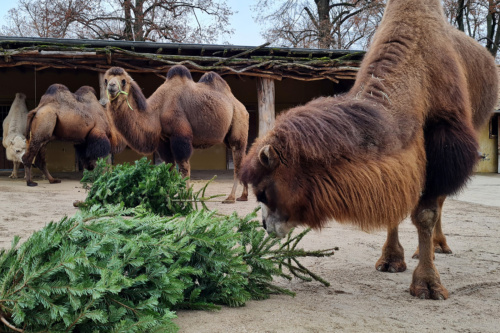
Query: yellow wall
x,y
130,156
488,146
60,156
213,158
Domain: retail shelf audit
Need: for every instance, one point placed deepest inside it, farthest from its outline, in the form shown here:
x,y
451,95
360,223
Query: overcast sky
x,y
246,31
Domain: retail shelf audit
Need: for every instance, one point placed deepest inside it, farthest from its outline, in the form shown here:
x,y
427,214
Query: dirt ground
x,y
360,299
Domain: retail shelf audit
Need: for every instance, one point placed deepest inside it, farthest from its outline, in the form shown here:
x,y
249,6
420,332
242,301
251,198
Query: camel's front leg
x,y
438,237
185,170
237,158
426,282
15,170
165,152
31,151
393,257
182,150
41,164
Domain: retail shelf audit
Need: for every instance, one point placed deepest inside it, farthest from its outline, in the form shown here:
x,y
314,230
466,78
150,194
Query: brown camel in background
x,y
179,116
400,141
75,117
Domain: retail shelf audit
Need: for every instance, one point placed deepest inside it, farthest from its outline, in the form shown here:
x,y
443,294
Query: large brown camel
x,y
75,117
179,116
400,141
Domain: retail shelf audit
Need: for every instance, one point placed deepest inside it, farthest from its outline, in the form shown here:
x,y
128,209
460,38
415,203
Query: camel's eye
x,y
123,83
106,82
261,197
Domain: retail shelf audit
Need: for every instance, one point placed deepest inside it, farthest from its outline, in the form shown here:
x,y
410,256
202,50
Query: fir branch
x,y
9,325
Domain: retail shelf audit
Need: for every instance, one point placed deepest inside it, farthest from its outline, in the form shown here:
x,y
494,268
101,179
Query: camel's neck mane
x,y
327,130
140,126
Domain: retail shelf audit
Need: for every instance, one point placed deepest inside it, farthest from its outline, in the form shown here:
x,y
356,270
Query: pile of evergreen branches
x,y
156,187
115,269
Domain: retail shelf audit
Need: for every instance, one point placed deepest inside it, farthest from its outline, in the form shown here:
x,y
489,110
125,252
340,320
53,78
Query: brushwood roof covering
x,y
157,58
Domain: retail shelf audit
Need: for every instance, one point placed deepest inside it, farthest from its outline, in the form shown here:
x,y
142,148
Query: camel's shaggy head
x,y
120,86
16,148
277,189
117,81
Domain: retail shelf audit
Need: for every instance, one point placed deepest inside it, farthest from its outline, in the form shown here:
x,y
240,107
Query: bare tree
x,y
339,24
195,21
479,19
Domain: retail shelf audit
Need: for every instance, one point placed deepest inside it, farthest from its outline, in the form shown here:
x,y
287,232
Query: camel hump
x,y
179,71
83,90
214,80
85,94
55,88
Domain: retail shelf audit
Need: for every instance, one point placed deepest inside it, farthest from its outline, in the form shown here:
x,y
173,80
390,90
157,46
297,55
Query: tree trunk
x,y
324,32
492,29
139,20
460,15
265,96
127,8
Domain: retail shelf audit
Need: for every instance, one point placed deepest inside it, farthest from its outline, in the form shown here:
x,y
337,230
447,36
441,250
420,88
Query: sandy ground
x,y
360,299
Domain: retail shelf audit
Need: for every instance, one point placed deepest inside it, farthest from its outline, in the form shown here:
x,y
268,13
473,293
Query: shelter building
x,y
267,80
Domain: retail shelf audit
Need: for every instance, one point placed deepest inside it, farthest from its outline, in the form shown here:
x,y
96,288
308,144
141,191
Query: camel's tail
x,y
30,117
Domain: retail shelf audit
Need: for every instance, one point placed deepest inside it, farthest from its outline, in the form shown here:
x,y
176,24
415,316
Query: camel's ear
x,y
138,96
268,157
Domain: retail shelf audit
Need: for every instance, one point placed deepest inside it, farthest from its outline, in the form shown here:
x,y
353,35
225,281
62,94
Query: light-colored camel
x,y
14,128
179,116
75,117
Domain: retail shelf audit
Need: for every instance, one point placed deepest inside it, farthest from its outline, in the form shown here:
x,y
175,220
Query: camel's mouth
x,y
113,92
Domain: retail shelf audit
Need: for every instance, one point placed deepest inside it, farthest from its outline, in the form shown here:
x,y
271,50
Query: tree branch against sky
x,y
194,21
348,24
337,24
480,19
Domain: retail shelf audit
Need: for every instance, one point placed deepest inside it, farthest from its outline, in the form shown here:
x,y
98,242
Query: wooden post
x,y
265,97
103,97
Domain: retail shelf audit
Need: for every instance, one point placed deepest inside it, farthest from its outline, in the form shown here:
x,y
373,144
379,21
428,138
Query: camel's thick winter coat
x,y
179,116
14,128
399,142
75,117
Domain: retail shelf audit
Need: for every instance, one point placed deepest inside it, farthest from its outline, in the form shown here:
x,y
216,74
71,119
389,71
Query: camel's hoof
x,y
13,177
437,249
427,291
442,249
391,266
32,184
78,203
55,181
228,201
242,199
